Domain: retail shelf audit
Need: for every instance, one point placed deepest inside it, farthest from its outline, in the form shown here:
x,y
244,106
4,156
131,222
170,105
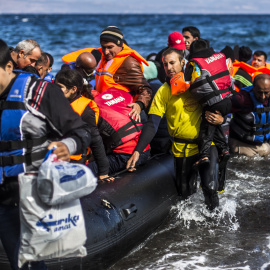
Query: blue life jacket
x,y
253,127
15,153
70,64
48,77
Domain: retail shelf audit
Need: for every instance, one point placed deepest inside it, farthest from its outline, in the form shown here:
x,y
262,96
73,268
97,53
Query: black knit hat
x,y
112,34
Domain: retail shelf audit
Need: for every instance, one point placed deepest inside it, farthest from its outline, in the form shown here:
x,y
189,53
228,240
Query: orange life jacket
x,y
260,70
178,84
79,106
252,71
248,68
106,69
71,57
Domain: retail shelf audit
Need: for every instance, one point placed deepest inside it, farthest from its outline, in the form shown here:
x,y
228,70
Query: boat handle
x,y
129,211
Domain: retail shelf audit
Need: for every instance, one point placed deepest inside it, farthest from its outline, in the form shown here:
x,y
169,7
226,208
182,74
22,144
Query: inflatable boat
x,y
119,215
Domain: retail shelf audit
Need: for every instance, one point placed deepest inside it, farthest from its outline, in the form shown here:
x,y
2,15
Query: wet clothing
x,y
125,73
186,178
213,133
183,115
96,145
47,106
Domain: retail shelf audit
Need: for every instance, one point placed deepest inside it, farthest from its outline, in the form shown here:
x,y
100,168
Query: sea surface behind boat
x,y
237,235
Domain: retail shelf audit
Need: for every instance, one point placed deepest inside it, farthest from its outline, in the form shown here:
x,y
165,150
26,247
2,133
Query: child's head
x,y
199,45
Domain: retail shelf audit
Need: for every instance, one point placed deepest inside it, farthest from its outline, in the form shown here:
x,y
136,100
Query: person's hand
x,y
214,118
61,150
106,177
132,161
135,112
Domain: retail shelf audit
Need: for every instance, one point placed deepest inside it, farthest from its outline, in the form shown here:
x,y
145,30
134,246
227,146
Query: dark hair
x,y
228,52
244,53
51,59
31,69
194,31
260,53
151,56
171,50
4,54
70,78
43,60
198,45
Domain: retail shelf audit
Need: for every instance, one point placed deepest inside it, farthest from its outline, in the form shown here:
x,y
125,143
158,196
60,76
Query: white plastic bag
x,y
48,231
60,181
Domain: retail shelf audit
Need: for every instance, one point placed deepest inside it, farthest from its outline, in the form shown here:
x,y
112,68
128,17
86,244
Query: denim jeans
x,y
10,237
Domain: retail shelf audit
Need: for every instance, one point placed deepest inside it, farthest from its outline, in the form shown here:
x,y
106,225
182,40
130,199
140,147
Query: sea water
x,y
236,236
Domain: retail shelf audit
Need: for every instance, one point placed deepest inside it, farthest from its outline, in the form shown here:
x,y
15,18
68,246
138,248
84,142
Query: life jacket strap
x,y
28,159
262,110
28,144
264,126
210,79
127,130
104,73
213,94
261,132
11,105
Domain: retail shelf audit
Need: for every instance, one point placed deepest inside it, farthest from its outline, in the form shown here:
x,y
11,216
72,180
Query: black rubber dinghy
x,y
121,214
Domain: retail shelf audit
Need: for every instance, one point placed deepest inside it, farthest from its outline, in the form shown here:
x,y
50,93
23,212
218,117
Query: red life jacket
x,y
122,132
214,84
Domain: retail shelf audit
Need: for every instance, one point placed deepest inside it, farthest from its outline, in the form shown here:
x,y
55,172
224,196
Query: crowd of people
x,y
111,109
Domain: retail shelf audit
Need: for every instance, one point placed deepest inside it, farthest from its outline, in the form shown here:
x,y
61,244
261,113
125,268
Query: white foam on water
x,y
269,241
194,210
265,266
25,19
193,262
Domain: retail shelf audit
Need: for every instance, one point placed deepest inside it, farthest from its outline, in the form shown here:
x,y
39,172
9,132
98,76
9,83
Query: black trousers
x,y
213,133
186,177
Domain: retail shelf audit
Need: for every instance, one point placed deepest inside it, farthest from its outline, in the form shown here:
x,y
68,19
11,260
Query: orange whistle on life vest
x,y
178,84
